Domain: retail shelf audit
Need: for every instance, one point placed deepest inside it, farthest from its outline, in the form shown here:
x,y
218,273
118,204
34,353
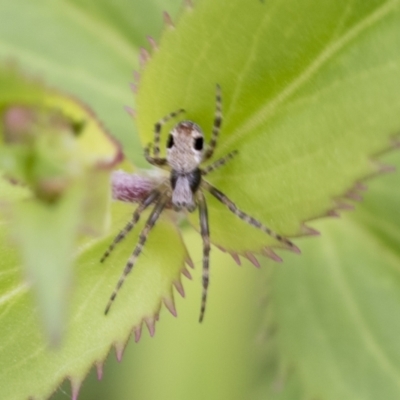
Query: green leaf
x,y
310,92
28,366
39,228
43,150
86,48
46,253
337,311
53,209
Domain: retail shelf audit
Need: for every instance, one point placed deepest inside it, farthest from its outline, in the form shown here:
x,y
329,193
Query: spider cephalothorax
x,y
184,189
184,154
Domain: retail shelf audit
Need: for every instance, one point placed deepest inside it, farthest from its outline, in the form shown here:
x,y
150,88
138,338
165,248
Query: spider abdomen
x,y
184,185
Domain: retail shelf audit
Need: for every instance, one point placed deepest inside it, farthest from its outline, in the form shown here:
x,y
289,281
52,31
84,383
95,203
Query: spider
x,y
184,190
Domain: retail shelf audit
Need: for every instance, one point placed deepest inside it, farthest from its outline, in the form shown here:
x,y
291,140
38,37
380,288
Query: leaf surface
x,y
310,94
28,366
337,311
85,48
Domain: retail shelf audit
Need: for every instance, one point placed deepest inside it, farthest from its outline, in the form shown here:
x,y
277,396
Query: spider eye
x,y
198,143
170,141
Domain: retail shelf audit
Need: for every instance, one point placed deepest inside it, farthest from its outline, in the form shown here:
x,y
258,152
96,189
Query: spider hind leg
x,y
153,196
205,234
158,208
247,218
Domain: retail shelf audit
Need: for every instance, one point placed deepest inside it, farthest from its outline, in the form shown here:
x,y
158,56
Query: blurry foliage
x,y
311,96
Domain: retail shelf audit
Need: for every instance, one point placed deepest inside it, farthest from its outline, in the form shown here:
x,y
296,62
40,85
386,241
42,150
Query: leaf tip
x,y
186,273
293,248
133,87
361,187
342,205
144,57
384,168
308,231
179,287
168,20
252,259
333,214
236,258
75,388
152,42
220,248
353,195
188,4
151,325
170,305
130,111
272,255
99,370
119,351
137,332
136,76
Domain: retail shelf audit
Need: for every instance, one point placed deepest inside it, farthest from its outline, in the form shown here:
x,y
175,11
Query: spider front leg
x,y
157,134
217,125
139,247
157,161
205,234
247,218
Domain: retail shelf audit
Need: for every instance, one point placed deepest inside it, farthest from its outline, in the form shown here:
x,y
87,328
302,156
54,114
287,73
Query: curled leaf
x,y
45,148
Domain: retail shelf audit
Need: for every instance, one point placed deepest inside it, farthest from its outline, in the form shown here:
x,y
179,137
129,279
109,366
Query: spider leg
x,y
247,218
138,249
153,196
217,124
157,161
205,234
219,163
157,132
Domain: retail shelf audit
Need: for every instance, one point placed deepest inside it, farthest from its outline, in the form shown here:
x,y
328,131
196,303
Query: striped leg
x,y
153,196
157,161
138,249
245,217
219,163
157,131
205,234
217,124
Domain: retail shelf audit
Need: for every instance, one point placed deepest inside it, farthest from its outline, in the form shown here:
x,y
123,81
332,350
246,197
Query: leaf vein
x,y
330,51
